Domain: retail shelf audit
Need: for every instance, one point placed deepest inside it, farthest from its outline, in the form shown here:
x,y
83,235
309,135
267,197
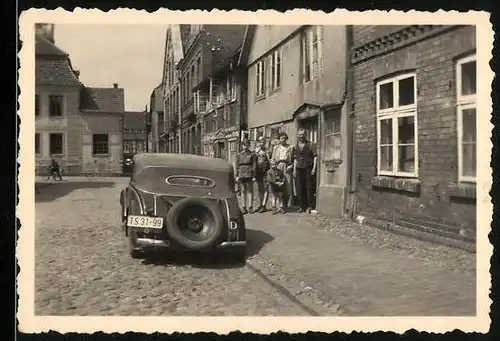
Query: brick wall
x,y
363,34
437,204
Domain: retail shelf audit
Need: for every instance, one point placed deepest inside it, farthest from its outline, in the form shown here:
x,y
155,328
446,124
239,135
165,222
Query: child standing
x,y
276,182
245,175
262,157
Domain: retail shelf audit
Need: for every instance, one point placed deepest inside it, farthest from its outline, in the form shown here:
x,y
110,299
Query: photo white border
x,y
30,323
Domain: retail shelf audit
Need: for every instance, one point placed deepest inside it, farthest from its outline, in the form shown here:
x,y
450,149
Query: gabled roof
x,y
135,120
52,65
43,47
106,100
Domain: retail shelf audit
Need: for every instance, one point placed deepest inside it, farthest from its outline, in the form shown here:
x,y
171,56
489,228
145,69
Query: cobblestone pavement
x,y
366,271
83,267
336,267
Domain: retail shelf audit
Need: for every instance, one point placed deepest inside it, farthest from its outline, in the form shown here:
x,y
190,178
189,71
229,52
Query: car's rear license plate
x,y
144,222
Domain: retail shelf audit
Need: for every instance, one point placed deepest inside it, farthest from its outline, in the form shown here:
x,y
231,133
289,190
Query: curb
x,y
423,236
307,298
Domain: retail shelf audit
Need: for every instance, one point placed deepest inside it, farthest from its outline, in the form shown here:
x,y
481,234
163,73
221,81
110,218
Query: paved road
x,y
323,266
83,268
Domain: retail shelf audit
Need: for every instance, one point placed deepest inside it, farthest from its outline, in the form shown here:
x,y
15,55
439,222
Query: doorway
x,y
310,124
220,150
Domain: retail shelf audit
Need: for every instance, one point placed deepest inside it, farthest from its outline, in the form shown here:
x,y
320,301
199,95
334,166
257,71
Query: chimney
x,y
46,31
115,85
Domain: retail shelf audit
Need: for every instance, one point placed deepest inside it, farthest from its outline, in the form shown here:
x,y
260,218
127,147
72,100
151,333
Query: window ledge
x,y
399,184
259,98
101,155
462,190
275,91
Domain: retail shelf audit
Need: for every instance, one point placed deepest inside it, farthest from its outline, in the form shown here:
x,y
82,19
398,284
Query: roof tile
x,y
134,120
55,71
110,100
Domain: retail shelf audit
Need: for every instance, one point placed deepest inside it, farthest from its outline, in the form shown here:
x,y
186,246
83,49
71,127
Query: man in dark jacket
x,y
55,169
304,170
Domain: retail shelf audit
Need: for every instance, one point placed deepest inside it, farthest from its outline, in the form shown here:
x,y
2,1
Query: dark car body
x,y
183,203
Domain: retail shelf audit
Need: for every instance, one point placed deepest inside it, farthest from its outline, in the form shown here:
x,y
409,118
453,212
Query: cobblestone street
x,y
83,267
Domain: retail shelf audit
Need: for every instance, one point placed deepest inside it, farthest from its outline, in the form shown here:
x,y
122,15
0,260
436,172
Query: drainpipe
x,y
351,125
148,127
180,115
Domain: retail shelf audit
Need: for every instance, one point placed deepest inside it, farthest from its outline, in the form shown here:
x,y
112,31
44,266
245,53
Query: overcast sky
x,y
130,55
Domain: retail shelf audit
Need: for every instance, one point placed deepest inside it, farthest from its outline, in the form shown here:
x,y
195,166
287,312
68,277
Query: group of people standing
x,y
281,172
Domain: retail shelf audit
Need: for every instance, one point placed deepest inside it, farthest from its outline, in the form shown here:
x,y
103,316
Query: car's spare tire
x,y
195,223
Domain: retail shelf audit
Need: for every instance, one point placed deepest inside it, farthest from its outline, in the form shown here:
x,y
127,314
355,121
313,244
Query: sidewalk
x,y
365,279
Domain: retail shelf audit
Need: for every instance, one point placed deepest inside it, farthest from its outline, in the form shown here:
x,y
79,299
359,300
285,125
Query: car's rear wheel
x,y
195,223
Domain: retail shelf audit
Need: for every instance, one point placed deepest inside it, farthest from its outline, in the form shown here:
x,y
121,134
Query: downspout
x,y
148,127
180,114
351,126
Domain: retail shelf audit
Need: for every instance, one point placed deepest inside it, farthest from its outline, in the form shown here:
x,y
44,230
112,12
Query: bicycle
x,y
51,174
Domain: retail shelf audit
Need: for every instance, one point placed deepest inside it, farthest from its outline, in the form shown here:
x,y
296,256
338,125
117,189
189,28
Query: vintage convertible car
x,y
182,203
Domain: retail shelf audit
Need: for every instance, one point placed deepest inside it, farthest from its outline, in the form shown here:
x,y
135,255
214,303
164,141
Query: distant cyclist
x,y
55,170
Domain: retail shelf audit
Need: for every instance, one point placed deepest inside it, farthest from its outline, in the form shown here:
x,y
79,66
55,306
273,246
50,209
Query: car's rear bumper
x,y
150,242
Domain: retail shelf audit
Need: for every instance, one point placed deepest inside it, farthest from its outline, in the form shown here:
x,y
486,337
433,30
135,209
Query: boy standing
x,y
245,175
276,182
262,156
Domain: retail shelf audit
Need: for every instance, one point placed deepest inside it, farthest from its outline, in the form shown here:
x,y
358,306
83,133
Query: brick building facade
x,y
415,127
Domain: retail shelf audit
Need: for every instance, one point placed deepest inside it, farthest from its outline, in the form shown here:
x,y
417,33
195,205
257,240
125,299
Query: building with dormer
x,y
78,126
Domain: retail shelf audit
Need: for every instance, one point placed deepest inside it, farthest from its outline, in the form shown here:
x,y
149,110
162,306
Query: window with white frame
x,y
312,53
333,140
466,119
397,129
260,80
275,61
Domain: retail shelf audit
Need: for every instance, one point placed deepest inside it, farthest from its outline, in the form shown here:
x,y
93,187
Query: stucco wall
x,y
281,104
69,125
102,123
